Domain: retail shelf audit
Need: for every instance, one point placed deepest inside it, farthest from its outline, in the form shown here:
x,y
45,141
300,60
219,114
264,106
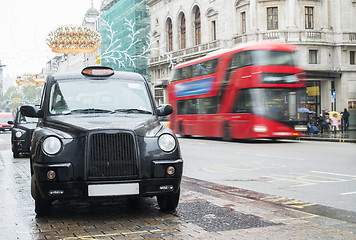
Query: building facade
x,y
1,84
125,30
323,30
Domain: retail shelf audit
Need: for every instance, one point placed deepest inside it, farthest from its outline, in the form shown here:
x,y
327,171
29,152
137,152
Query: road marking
x,y
348,193
310,179
288,202
112,234
308,215
287,178
336,174
212,190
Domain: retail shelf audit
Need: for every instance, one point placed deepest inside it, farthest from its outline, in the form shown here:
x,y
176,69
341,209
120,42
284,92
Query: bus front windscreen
x,y
280,104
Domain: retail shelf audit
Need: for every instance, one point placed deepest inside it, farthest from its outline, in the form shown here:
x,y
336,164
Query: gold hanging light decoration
x,y
29,79
73,40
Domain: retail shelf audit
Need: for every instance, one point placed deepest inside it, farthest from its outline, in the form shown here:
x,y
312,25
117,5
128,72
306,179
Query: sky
x,y
24,26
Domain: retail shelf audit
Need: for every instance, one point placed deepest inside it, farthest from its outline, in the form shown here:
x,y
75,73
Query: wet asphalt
x,y
206,211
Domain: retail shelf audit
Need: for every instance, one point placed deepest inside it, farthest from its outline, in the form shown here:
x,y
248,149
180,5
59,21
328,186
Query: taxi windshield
x,y
99,96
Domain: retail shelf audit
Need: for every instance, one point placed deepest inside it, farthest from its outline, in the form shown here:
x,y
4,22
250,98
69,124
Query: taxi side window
x,y
57,103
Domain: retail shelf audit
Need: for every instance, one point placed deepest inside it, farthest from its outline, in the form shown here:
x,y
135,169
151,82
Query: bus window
x,y
211,66
243,102
278,103
196,70
263,57
208,105
187,72
177,74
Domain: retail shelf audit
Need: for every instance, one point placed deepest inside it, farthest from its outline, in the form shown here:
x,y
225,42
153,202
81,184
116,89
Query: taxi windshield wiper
x,y
90,110
132,110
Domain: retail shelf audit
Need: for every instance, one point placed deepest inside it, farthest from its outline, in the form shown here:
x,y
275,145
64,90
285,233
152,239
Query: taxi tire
x,y
15,154
168,202
42,206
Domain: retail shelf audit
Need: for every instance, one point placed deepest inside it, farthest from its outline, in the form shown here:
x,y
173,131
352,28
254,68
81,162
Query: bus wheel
x,y
226,132
181,133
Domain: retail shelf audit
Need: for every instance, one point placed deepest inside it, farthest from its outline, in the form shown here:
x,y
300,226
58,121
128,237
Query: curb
x,y
341,140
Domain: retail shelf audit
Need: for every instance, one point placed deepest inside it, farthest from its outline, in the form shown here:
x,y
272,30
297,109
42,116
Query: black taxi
x,y
21,134
98,135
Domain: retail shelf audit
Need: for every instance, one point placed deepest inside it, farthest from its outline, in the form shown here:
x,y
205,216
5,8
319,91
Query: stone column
x,y
253,20
291,10
253,15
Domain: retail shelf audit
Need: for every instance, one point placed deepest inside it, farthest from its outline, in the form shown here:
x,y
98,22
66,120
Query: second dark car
x,y
21,134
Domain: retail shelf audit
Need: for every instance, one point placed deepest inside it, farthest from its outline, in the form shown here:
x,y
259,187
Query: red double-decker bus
x,y
253,91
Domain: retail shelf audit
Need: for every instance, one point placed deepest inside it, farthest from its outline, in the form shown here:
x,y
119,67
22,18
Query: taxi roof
x,y
77,75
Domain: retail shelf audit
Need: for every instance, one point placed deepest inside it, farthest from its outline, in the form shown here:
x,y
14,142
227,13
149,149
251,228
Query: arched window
x,y
197,27
170,35
182,32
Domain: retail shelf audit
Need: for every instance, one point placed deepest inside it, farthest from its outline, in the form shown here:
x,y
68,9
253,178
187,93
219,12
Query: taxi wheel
x,y
169,202
15,154
42,206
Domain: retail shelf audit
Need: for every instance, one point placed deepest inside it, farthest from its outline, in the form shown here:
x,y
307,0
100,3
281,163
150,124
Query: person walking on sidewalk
x,y
334,123
345,120
324,119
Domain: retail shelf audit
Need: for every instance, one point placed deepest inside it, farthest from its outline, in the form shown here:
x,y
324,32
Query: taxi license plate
x,y
113,189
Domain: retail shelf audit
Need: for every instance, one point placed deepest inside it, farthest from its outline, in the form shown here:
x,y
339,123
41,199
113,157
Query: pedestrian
x,y
334,123
345,120
324,119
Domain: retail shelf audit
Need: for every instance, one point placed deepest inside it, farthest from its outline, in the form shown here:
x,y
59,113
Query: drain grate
x,y
213,218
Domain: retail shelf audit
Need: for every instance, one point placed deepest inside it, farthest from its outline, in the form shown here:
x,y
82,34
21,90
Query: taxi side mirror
x,y
10,122
164,110
31,111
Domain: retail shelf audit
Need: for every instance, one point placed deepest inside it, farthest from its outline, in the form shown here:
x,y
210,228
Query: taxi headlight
x,y
166,142
52,145
18,134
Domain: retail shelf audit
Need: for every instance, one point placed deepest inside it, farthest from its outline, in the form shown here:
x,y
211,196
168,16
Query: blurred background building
x,y
1,82
323,30
125,31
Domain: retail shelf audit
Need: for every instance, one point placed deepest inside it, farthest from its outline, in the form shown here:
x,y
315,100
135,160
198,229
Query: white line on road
x,y
348,193
336,174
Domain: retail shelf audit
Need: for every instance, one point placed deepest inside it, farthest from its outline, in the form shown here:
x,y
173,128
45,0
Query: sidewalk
x,y
349,136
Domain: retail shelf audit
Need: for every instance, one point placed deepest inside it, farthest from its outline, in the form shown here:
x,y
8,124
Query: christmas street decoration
x,y
73,40
31,79
122,55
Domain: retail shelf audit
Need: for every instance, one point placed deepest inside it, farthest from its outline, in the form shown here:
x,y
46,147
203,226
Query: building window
x,y
309,18
243,22
272,18
197,27
170,35
182,32
213,30
352,57
313,56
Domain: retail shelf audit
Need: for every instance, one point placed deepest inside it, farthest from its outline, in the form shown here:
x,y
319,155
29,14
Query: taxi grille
x,y
112,156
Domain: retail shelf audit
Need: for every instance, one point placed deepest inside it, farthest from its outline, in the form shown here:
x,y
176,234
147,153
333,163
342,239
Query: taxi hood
x,y
141,124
